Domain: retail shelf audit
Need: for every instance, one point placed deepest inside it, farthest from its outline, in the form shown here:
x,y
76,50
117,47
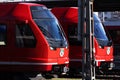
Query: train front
x,y
55,47
103,46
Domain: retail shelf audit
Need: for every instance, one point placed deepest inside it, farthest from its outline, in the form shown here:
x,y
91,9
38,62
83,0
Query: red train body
x,y
68,17
31,39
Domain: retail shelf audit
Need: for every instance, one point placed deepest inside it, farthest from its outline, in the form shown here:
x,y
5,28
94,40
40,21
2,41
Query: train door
x,y
3,40
6,44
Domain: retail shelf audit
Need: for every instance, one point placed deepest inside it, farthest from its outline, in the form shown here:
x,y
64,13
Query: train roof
x,y
17,10
68,14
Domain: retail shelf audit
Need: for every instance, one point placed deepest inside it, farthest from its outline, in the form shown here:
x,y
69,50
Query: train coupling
x,y
107,65
112,65
61,69
65,70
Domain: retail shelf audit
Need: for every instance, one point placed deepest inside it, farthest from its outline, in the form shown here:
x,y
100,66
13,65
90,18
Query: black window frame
x,y
23,38
3,35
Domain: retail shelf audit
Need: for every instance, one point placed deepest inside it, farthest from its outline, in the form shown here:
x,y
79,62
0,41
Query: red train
x,y
103,48
31,39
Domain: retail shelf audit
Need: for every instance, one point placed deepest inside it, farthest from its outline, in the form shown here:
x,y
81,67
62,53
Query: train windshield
x,y
49,26
99,32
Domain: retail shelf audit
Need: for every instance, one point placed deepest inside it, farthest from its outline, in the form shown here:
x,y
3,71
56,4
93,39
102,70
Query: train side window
x,y
3,33
25,36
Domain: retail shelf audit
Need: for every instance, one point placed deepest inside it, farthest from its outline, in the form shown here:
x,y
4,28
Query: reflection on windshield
x,y
49,26
99,32
52,31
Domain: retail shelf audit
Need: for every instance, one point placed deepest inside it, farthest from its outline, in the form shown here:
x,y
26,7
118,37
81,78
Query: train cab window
x,y
3,33
24,36
72,35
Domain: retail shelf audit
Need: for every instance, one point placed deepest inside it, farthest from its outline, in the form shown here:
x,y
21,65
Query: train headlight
x,y
51,48
61,52
108,50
